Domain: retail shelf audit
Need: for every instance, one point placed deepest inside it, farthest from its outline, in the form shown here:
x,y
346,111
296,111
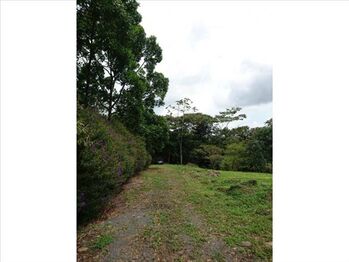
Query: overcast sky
x,y
218,54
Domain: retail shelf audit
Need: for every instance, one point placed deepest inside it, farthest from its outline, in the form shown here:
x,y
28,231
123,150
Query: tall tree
x,y
115,58
89,72
181,107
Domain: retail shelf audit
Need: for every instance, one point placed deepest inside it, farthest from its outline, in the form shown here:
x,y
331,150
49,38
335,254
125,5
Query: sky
x,y
217,53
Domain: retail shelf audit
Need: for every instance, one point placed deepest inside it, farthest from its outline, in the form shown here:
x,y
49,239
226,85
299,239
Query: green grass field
x,y
234,206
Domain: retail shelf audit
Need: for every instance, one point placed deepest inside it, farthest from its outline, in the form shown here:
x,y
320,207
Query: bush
x,y
234,157
255,160
245,156
107,155
208,156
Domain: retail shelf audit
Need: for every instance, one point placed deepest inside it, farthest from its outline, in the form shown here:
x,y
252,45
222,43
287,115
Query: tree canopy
x,y
116,61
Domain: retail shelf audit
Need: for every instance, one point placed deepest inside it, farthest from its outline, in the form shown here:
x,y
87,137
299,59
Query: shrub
x,y
245,156
208,156
234,156
254,160
107,155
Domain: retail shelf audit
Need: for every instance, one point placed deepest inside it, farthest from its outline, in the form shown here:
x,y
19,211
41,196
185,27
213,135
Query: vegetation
x,y
235,206
209,142
119,134
116,63
103,241
182,213
107,155
117,89
177,212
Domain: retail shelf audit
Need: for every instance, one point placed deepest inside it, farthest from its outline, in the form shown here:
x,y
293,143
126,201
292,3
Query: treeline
x,y
209,141
117,89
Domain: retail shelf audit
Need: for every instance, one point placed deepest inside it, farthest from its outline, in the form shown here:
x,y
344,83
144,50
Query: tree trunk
x,y
109,113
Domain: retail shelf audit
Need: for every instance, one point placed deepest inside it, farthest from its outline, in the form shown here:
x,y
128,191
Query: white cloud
x,y
219,54
257,87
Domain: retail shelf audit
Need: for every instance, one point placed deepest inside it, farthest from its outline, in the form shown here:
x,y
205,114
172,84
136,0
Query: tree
x,y
138,74
156,134
116,60
200,125
181,107
253,157
226,117
196,129
234,155
263,136
208,156
89,72
221,131
116,80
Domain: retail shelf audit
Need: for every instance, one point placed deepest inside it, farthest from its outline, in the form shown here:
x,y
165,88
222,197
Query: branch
x,y
105,68
140,67
105,107
119,96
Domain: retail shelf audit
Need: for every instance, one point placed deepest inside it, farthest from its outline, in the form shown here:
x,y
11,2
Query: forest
x,y
118,131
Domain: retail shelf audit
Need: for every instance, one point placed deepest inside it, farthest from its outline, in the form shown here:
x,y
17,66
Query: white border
x,y
38,179
38,141
310,84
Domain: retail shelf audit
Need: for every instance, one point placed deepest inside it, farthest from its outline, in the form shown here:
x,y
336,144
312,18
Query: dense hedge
x,y
107,155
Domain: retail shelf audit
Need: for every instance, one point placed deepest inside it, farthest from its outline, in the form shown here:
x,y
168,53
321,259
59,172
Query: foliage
x,y
251,151
254,158
208,156
209,142
116,60
228,116
156,134
117,89
193,129
234,156
265,137
107,155
178,123
103,241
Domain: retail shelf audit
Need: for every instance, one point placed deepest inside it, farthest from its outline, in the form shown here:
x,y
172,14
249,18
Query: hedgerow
x,y
107,155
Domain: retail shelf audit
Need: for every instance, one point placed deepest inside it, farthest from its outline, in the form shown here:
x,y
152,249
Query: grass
x,y
191,205
95,238
239,210
193,214
103,241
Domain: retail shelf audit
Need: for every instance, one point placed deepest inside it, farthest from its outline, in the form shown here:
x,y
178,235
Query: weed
x,y
102,241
